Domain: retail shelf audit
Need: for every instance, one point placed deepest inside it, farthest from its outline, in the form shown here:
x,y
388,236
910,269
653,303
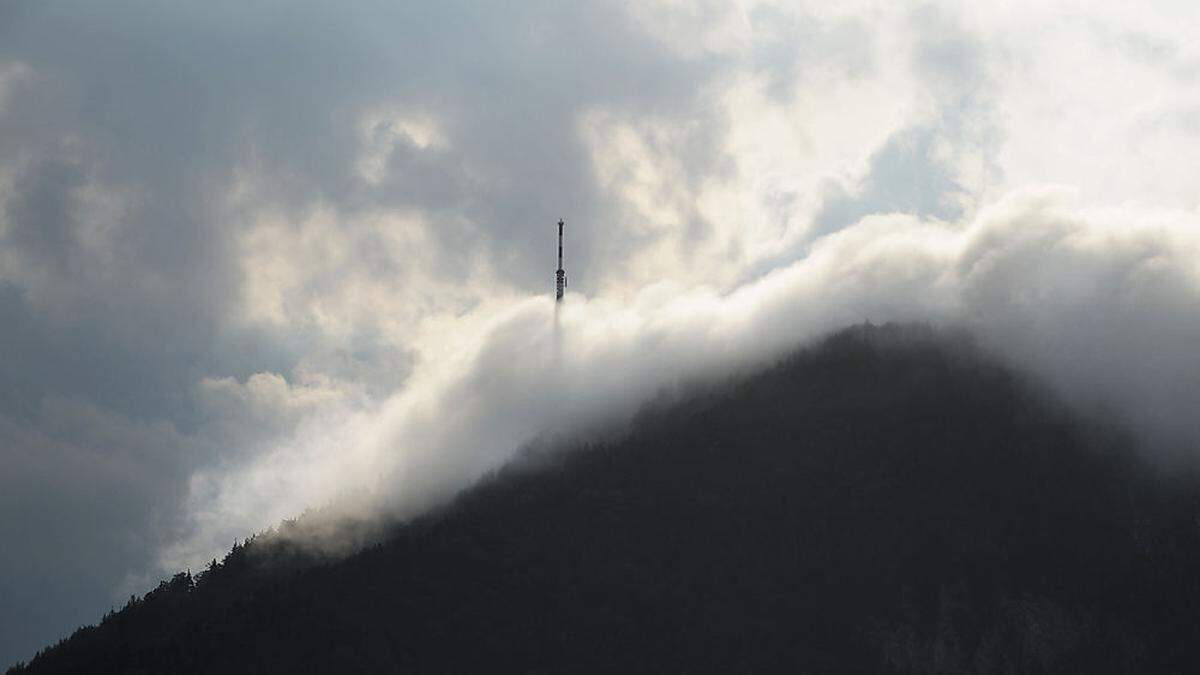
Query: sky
x,y
259,258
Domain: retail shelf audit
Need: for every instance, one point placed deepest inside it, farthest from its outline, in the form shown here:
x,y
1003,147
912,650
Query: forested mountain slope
x,y
887,501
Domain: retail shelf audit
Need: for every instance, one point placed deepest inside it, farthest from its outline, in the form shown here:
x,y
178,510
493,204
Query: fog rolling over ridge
x,y
256,259
1100,306
888,500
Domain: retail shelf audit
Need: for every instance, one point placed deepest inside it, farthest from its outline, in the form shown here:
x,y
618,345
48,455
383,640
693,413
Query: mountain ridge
x,y
890,500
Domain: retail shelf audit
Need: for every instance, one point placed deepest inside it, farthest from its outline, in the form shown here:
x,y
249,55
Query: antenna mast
x,y
560,276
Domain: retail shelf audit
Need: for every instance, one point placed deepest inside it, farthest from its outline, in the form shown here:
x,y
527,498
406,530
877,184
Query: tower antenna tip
x,y
560,275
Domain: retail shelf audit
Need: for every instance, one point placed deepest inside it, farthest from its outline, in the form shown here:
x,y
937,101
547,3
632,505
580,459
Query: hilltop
x,y
889,500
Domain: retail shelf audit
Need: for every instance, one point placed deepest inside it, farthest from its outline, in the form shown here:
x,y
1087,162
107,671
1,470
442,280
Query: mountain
x,y
888,501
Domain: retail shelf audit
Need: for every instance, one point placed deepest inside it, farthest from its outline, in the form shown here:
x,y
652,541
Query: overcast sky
x,y
260,257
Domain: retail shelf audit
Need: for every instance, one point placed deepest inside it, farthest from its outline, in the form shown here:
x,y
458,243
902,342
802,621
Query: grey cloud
x,y
167,111
172,100
168,102
41,222
145,138
905,176
1106,314
80,495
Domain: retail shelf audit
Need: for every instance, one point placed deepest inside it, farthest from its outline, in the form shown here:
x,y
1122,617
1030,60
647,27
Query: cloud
x,y
202,204
270,250
1098,304
83,494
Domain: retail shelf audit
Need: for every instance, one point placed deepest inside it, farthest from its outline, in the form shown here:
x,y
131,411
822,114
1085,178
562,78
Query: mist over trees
x,y
888,501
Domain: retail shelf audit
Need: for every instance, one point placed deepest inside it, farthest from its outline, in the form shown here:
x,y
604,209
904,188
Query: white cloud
x,y
1100,303
730,262
382,130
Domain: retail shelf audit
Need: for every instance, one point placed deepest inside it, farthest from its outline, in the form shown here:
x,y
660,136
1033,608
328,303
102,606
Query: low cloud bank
x,y
1102,305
